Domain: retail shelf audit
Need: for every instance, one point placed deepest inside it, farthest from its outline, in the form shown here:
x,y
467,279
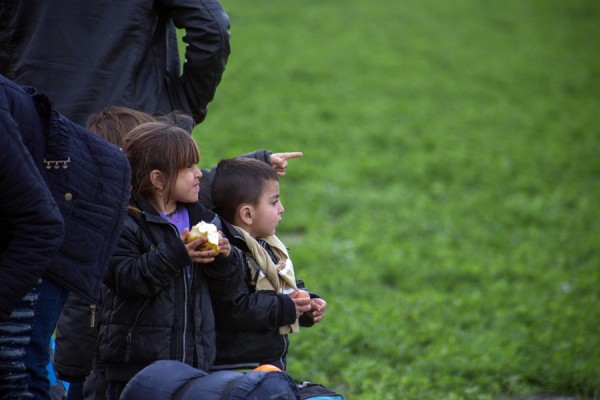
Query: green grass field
x,y
447,204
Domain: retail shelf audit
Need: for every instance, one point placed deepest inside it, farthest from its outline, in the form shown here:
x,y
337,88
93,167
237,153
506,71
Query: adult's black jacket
x,y
89,179
87,55
31,226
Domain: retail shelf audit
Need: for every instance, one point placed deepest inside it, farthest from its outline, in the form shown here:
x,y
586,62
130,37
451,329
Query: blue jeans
x,y
37,354
15,335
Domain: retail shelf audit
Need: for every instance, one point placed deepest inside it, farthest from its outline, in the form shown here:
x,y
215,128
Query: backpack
x,y
174,380
256,385
314,391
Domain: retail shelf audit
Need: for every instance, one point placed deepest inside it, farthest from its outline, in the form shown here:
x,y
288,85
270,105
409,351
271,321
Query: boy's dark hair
x,y
239,181
114,123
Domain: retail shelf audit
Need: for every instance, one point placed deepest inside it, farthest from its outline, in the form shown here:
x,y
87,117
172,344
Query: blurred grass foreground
x,y
447,205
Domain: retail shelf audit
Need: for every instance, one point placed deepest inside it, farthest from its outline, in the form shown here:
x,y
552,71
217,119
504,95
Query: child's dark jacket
x,y
152,309
248,321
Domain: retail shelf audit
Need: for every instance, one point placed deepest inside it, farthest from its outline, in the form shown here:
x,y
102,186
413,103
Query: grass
x,y
446,206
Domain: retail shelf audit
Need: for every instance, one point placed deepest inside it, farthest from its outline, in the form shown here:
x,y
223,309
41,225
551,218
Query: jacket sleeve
x,y
250,311
225,273
206,37
32,226
139,269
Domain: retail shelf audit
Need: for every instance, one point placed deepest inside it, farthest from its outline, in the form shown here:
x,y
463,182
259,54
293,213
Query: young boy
x,y
254,322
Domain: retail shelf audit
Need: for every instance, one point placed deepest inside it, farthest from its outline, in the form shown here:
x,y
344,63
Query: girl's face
x,y
267,213
187,185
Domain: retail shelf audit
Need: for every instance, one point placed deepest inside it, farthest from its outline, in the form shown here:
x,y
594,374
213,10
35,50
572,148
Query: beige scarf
x,y
276,277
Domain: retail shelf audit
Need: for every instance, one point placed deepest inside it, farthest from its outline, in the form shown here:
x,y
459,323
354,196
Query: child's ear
x,y
246,214
156,178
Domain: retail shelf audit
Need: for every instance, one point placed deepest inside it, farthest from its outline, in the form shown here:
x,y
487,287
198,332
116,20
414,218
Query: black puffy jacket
x,y
87,55
152,310
248,321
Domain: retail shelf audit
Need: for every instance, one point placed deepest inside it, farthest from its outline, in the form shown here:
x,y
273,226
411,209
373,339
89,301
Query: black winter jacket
x,y
89,179
248,321
74,337
152,310
31,227
87,55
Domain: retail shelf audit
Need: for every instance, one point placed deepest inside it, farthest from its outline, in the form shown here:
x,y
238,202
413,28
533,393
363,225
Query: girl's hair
x,y
114,123
239,181
158,146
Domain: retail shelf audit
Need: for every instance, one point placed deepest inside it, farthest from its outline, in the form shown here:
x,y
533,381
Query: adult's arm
x,y
31,225
207,49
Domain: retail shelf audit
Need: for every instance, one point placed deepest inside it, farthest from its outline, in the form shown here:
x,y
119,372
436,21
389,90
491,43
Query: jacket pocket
x,y
87,226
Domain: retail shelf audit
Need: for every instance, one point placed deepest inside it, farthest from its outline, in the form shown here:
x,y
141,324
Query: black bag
x,y
314,391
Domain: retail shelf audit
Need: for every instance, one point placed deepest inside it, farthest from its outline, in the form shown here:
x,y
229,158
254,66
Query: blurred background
x,y
446,205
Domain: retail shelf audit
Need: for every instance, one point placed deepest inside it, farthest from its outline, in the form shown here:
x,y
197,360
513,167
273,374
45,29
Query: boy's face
x,y
267,213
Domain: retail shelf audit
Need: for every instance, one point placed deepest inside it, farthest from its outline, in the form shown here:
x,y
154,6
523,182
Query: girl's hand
x,y
198,256
224,245
204,256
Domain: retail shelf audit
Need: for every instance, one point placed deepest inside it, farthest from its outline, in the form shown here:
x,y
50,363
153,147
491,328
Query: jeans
x,y
37,354
15,335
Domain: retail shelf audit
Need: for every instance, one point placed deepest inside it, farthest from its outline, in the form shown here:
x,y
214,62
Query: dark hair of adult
x,y
239,181
158,146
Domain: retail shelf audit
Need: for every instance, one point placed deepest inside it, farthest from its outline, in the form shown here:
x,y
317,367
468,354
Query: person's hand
x,y
204,256
301,300
279,161
317,309
224,245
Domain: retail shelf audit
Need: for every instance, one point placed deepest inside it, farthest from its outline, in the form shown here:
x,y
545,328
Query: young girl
x,y
156,305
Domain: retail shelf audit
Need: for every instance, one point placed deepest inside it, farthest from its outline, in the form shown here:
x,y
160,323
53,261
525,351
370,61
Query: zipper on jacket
x,y
92,315
186,286
185,313
129,337
285,348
